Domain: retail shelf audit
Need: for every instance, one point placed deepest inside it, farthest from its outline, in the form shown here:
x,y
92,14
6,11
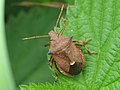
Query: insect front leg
x,y
51,65
83,44
48,44
63,26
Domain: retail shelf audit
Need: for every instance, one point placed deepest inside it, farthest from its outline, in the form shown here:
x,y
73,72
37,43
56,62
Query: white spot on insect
x,y
72,62
61,71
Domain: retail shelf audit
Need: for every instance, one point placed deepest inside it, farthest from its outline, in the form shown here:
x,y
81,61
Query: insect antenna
x,y
35,37
59,17
46,36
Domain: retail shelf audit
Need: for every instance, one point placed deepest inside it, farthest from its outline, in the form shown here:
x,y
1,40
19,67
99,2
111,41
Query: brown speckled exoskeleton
x,y
68,58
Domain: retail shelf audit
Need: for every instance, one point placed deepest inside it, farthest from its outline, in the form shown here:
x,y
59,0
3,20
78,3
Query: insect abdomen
x,y
76,68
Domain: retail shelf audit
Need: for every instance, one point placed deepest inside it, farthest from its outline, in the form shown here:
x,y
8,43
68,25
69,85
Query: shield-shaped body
x,y
68,58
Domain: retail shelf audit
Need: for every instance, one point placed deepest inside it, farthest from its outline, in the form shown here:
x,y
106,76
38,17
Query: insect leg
x,y
83,44
51,65
89,51
79,44
82,41
63,26
59,17
48,44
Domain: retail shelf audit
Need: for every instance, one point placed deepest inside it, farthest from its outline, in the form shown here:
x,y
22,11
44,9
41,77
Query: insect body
x,y
68,58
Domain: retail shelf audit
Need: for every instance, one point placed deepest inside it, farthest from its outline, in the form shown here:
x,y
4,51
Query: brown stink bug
x,y
66,55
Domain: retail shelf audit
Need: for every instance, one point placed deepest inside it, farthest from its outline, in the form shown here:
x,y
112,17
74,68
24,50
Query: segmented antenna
x,y
34,37
59,17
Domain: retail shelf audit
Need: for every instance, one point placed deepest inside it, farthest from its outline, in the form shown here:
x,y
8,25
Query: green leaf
x,y
47,86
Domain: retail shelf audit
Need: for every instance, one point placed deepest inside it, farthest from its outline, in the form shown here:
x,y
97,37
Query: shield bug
x,y
68,58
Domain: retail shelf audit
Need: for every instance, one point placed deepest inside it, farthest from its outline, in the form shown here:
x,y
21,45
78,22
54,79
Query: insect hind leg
x,y
51,66
83,44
